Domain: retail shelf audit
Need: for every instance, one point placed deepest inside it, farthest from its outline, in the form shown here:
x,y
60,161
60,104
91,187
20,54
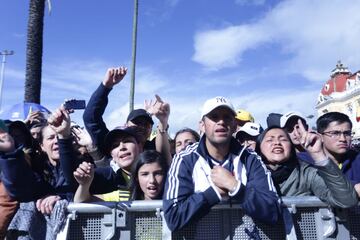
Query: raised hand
x,y
83,138
84,174
35,117
59,120
149,106
161,110
114,76
311,142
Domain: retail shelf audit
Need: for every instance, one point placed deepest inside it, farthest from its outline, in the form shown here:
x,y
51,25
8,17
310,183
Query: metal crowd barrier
x,y
303,218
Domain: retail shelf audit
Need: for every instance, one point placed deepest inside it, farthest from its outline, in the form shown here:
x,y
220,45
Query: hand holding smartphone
x,y
74,104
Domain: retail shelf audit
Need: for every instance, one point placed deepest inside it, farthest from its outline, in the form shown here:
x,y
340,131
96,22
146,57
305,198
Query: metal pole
x,y
132,84
3,54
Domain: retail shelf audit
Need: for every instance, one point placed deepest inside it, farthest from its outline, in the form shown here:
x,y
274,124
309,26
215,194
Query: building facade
x,y
341,93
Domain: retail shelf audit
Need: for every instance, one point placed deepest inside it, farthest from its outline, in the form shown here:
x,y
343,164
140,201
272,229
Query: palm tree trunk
x,y
34,50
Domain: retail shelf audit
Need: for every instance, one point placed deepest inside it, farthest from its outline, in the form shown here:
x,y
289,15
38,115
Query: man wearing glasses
x,y
335,129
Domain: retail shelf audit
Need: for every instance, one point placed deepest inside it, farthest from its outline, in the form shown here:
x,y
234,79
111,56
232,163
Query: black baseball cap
x,y
17,124
121,131
139,113
273,119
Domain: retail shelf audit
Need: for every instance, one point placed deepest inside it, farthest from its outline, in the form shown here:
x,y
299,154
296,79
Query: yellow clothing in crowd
x,y
118,195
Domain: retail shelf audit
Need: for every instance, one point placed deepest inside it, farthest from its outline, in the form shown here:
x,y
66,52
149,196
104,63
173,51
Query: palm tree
x,y
34,49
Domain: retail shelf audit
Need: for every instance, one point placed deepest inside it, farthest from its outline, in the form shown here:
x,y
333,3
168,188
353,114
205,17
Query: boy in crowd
x,y
336,132
248,134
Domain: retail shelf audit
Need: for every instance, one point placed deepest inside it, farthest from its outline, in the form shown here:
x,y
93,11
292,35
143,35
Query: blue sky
x,y
266,56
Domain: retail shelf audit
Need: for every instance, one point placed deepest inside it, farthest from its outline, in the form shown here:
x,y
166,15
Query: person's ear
x,y
233,126
42,147
202,125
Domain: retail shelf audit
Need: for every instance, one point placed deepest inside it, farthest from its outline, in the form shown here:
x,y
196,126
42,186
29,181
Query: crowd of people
x,y
227,156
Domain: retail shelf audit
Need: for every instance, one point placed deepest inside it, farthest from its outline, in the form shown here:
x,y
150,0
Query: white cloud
x,y
149,81
79,71
217,49
186,114
81,78
118,116
282,101
314,34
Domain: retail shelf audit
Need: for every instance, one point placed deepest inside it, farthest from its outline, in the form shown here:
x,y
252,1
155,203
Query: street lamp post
x,y
134,43
3,53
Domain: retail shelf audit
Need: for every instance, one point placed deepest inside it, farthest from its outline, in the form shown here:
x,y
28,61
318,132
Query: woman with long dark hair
x,y
148,176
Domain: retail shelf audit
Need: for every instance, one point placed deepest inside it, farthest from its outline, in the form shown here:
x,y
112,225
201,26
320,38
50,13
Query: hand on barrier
x,y
46,204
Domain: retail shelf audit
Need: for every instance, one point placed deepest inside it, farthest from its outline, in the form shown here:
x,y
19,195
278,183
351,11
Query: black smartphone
x,y
74,104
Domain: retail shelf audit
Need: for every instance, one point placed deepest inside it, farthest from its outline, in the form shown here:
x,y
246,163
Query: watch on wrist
x,y
163,130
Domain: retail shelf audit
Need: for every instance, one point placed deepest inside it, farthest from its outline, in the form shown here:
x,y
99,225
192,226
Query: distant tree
x,y
34,49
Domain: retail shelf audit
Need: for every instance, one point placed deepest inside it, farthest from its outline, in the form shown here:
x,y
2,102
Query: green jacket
x,y
325,182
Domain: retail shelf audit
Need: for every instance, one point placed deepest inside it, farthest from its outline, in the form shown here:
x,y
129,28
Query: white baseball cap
x,y
253,129
216,102
284,118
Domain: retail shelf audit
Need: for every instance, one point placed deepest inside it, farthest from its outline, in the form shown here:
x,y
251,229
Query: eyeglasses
x,y
337,134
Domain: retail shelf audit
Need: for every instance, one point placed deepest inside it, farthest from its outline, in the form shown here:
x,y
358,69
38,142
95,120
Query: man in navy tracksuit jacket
x,y
216,169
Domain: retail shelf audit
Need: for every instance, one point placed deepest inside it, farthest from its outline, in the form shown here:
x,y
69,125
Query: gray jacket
x,y
325,182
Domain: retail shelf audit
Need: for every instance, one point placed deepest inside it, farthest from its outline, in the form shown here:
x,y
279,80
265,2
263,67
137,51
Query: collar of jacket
x,y
235,147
